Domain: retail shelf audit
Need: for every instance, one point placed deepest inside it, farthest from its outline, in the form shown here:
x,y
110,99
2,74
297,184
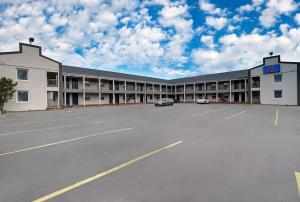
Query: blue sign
x,y
271,69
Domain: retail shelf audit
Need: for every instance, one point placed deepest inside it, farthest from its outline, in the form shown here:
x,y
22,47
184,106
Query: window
x,y
102,97
87,98
277,93
22,96
22,74
87,84
277,78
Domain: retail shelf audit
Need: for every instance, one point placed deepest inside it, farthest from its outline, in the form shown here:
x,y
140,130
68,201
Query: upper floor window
x,y
277,78
22,74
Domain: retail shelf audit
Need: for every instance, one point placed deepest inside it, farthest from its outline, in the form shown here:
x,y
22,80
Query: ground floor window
x,y
87,98
22,96
277,93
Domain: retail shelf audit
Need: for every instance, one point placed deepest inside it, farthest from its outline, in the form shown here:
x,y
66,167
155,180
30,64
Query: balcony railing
x,y
211,88
130,88
52,82
74,85
255,85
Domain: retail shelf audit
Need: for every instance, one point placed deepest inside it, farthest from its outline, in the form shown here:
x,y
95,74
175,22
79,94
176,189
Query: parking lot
x,y
187,152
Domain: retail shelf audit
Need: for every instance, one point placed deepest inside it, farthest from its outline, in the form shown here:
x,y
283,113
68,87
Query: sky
x,y
160,38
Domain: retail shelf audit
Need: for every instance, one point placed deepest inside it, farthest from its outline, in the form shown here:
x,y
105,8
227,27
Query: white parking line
x,y
63,141
206,112
235,115
33,122
51,128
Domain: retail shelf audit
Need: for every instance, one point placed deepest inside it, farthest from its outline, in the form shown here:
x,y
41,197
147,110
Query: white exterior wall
x,y
106,99
148,98
37,77
94,99
121,98
288,84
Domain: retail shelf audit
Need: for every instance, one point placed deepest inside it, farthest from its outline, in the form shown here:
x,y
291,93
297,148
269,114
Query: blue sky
x,y
160,38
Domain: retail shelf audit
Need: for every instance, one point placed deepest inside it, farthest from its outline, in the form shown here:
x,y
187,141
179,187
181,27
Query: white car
x,y
203,101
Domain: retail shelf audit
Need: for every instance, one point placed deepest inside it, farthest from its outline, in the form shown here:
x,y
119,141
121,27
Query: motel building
x,y
44,83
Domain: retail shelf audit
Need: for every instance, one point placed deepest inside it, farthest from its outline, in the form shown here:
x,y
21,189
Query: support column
x,y
99,88
246,98
194,92
153,93
217,94
230,98
65,89
125,88
159,91
145,93
183,92
135,89
83,85
204,89
114,96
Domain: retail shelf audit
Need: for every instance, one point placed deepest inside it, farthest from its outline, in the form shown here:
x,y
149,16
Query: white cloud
x,y
166,71
250,7
210,8
274,9
297,18
216,22
174,11
246,51
208,41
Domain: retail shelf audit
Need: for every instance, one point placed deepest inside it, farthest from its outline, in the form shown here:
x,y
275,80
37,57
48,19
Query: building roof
x,y
213,77
210,77
102,73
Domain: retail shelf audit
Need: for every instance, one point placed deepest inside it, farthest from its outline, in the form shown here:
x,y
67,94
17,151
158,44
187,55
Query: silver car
x,y
164,102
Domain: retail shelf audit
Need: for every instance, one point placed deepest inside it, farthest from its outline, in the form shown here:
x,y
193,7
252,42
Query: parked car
x,y
164,102
203,101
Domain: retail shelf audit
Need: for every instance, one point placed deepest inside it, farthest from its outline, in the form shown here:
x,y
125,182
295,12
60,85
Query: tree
x,y
7,90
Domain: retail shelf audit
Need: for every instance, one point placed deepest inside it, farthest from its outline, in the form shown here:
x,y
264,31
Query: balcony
x,y
179,90
189,90
211,88
256,85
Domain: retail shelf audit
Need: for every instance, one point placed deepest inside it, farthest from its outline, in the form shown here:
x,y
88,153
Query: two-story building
x,y
45,83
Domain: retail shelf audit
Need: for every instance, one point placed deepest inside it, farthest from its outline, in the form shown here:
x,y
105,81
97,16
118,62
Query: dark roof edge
x,y
116,72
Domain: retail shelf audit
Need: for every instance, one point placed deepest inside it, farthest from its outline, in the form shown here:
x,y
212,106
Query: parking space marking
x,y
51,128
235,115
206,112
174,111
102,174
63,141
297,175
276,118
33,122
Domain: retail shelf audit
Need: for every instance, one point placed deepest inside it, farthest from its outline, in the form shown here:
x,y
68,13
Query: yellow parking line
x,y
61,142
276,117
235,115
297,175
102,174
50,128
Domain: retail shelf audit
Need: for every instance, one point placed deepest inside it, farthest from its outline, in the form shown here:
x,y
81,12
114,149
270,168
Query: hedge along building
x,y
45,83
